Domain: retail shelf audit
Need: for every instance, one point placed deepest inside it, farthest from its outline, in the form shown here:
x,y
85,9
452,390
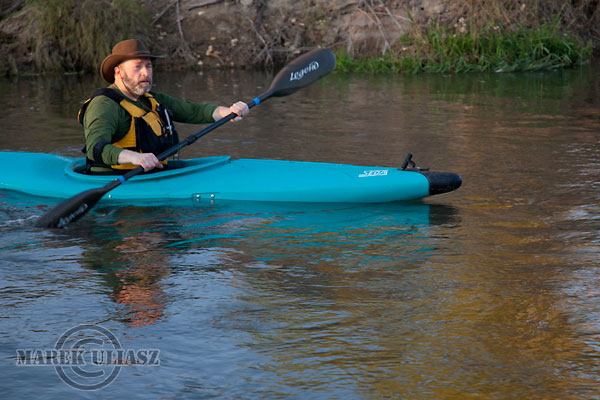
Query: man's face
x,y
136,75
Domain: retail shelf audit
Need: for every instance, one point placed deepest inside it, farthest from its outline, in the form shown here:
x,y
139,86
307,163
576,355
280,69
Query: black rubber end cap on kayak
x,y
442,182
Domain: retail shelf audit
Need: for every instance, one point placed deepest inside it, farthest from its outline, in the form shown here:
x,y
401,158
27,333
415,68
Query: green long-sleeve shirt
x,y
106,120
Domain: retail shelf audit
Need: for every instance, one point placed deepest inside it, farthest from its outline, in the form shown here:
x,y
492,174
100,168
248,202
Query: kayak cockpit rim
x,y
73,168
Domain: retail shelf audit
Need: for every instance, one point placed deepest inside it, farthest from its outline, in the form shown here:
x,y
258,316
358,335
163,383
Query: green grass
x,y
493,49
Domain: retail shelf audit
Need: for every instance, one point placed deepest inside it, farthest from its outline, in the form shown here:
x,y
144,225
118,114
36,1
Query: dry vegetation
x,y
400,35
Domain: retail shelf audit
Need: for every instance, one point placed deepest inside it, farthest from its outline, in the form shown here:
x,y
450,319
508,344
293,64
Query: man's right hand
x,y
148,161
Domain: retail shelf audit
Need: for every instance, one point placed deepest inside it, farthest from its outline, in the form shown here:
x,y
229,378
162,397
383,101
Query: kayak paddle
x,y
299,73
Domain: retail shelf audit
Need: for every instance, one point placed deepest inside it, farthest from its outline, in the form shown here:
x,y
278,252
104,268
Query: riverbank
x,y
368,35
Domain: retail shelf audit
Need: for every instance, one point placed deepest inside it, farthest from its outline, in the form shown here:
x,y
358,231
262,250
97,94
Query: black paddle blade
x,y
302,71
71,209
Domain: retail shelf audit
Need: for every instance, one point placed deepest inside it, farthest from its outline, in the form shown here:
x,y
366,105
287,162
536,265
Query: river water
x,y
492,291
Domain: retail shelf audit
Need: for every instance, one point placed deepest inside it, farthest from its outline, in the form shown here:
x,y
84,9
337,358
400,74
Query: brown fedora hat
x,y
123,51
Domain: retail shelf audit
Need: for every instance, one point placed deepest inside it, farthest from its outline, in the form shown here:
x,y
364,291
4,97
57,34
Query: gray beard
x,y
138,90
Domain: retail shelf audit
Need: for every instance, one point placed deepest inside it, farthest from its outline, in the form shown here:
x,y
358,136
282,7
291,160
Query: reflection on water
x,y
490,291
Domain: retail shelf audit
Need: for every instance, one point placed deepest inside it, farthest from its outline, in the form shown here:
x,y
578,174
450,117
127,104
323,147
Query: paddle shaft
x,y
187,141
77,206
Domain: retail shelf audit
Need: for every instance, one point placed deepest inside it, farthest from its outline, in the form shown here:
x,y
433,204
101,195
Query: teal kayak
x,y
223,178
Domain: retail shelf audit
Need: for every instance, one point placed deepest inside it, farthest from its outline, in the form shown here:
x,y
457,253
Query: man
x,y
126,125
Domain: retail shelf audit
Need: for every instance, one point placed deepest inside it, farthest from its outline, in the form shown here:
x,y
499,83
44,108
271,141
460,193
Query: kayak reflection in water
x,y
126,125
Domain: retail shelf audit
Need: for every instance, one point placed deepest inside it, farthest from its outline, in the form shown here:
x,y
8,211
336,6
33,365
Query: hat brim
x,y
109,63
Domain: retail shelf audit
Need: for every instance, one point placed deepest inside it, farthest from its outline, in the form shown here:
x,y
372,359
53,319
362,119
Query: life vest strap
x,y
108,92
